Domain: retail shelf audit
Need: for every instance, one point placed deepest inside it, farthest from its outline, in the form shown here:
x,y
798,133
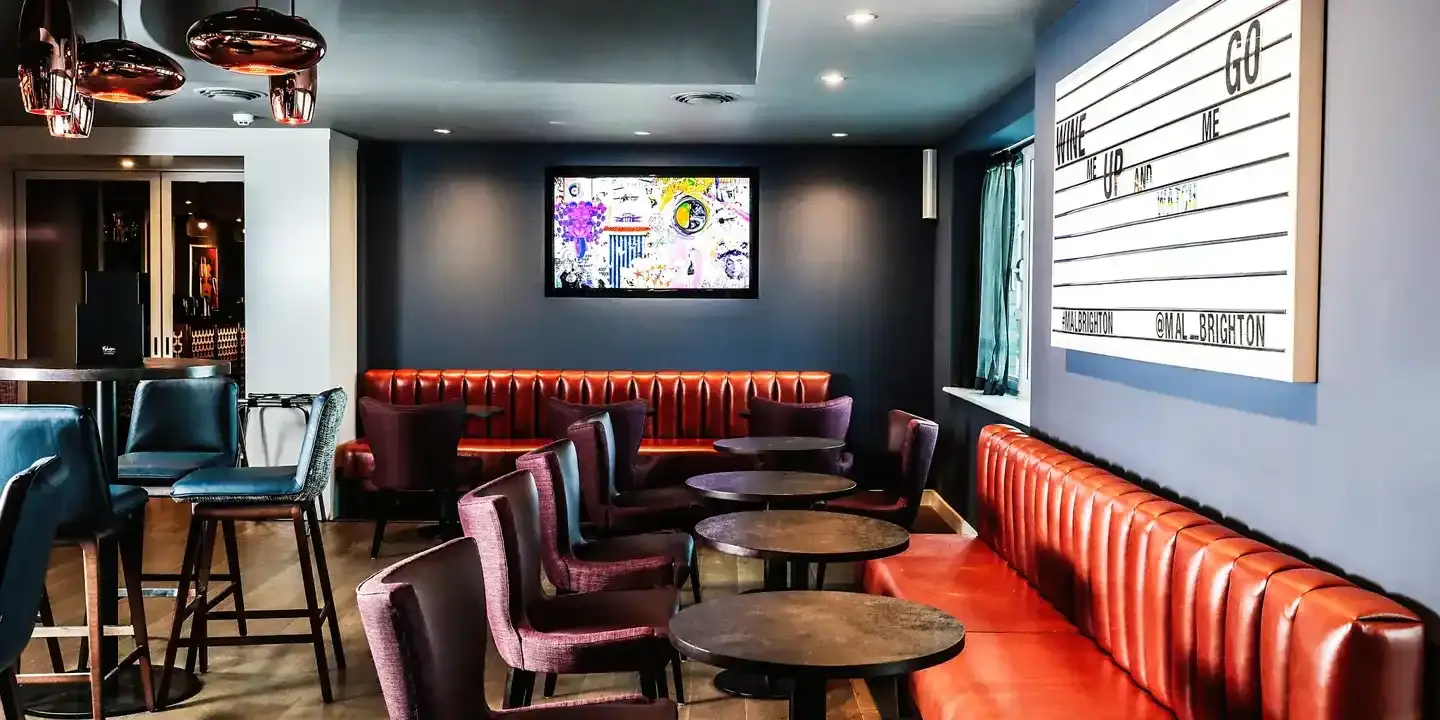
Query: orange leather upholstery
x,y
692,409
1086,596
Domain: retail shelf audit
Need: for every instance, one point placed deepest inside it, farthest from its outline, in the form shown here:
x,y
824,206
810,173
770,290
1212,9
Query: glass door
x,y
200,294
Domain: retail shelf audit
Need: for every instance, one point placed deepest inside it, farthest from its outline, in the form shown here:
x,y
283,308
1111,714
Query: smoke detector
x,y
225,94
704,98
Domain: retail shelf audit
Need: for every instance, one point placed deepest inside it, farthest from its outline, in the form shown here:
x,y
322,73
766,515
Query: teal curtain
x,y
999,352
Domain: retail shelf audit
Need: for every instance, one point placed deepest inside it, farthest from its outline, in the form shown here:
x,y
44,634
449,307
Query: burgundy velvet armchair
x,y
425,621
601,632
910,445
578,565
828,419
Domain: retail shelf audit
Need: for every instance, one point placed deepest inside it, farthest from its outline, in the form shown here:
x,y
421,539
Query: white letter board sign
x,y
1187,191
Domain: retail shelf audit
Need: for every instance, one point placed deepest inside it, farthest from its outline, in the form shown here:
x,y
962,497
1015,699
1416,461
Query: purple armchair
x,y
910,442
603,632
577,565
628,420
414,448
425,621
828,419
616,514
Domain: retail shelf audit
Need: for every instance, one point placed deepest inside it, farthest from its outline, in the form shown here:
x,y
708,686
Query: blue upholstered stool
x,y
28,518
227,494
94,515
178,427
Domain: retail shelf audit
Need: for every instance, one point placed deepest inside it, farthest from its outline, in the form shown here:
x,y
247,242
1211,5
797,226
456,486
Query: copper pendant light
x,y
292,97
256,41
46,55
77,123
121,71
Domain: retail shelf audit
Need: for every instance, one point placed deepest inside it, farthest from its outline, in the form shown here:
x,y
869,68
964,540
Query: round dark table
x,y
813,637
771,487
770,445
124,697
797,538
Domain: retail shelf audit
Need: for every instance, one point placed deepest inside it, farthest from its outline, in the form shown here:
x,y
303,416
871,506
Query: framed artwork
x,y
652,232
205,273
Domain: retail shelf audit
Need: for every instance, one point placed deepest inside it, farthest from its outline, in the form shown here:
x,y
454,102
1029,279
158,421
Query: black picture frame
x,y
750,293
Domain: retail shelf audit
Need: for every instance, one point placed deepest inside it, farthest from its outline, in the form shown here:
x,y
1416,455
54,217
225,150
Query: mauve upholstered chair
x,y
415,451
628,420
910,447
426,624
615,513
602,632
828,419
576,564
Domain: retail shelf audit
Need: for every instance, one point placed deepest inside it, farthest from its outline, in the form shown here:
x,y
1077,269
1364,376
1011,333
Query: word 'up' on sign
x,y
1187,191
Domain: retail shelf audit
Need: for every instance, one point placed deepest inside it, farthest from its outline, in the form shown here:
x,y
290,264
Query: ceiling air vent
x,y
704,98
224,94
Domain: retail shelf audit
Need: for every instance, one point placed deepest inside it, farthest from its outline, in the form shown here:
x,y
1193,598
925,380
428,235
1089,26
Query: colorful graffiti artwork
x,y
651,233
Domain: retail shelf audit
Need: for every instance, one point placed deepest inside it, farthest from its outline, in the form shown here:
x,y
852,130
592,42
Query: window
x,y
1003,360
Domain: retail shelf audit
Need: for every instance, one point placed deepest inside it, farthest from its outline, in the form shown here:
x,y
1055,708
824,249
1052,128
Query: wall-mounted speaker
x,y
930,191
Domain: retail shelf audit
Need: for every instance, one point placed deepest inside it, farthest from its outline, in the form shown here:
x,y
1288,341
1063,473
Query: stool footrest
x,y
234,640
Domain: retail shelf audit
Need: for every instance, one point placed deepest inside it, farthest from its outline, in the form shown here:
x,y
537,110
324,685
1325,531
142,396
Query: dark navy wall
x,y
453,271
1345,469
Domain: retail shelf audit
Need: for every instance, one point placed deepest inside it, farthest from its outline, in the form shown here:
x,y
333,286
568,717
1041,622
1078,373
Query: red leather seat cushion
x,y
1035,676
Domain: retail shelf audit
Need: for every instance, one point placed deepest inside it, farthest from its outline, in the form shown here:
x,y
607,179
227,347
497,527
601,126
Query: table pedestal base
x,y
807,699
755,687
123,695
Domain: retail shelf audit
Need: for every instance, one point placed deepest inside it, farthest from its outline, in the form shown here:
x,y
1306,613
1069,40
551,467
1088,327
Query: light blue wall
x,y
1347,469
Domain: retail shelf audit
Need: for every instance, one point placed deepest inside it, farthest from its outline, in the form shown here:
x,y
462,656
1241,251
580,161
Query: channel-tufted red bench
x,y
1084,596
691,409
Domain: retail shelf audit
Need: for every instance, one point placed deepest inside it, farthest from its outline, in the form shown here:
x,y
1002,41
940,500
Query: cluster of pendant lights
x,y
62,76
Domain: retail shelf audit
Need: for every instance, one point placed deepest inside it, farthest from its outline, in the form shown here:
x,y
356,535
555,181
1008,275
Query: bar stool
x,y
260,493
28,519
98,518
177,427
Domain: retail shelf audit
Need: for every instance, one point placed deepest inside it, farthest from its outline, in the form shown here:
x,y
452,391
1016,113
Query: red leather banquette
x,y
1084,596
692,409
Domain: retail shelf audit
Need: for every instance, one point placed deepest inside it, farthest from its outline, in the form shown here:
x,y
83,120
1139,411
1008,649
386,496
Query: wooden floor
x,y
279,682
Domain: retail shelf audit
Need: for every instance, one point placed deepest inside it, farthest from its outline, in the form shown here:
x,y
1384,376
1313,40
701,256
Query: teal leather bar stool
x,y
28,519
227,494
100,519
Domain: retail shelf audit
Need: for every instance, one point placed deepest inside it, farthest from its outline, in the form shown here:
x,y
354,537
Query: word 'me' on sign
x,y
1187,191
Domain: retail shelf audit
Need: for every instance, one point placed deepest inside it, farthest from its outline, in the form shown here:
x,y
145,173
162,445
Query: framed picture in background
x,y
652,232
205,274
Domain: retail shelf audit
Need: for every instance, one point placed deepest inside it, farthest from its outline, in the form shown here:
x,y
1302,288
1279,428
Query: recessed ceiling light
x,y
840,135
203,225
443,131
127,163
239,220
861,18
557,122
187,202
832,78
641,133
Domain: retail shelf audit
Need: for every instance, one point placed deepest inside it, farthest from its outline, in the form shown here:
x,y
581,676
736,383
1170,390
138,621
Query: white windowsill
x,y
1010,407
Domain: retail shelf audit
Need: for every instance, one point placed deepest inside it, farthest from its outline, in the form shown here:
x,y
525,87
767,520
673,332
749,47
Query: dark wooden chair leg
x,y
384,507
518,688
131,556
695,571
90,550
182,602
662,685
9,702
332,613
232,559
819,576
647,685
550,680
675,668
317,634
52,645
200,624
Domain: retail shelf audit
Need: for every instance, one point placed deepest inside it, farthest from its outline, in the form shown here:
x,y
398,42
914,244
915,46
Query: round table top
x,y
767,486
760,445
69,371
803,535
483,411
817,633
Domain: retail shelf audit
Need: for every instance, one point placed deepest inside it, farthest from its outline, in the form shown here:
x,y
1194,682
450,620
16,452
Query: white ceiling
x,y
507,69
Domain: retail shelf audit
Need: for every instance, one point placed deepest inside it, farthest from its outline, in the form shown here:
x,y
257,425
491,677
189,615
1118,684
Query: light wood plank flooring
x,y
279,683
